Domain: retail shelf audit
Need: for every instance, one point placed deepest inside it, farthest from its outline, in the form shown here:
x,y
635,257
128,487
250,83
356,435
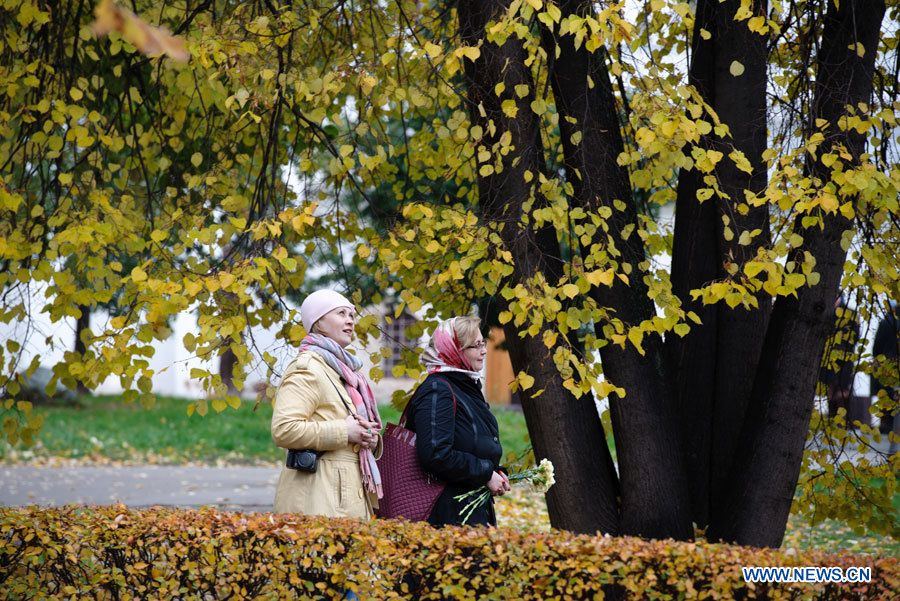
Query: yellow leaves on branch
x,y
150,40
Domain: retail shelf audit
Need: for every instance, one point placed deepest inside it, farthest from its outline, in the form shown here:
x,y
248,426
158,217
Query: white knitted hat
x,y
318,304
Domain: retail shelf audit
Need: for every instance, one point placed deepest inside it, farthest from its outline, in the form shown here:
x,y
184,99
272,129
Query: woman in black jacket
x,y
457,438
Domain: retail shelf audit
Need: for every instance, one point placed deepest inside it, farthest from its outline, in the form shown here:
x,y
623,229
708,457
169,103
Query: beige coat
x,y
309,414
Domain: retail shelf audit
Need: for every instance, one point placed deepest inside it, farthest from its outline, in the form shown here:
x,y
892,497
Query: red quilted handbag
x,y
409,491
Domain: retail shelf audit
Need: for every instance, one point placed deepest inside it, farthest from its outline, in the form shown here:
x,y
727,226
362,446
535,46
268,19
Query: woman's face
x,y
475,353
337,324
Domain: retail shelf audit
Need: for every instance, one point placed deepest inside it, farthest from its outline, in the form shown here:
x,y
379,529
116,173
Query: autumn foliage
x,y
117,553
513,153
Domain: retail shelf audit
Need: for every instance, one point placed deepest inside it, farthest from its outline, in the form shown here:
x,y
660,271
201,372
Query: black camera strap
x,y
340,396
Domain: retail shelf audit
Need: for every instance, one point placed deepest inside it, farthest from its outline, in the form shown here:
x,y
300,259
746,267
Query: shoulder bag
x,y
409,491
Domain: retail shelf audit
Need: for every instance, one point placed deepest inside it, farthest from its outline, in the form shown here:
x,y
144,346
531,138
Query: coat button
x,y
495,439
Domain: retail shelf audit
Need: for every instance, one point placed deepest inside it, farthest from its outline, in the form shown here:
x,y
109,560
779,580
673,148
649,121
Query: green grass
x,y
106,427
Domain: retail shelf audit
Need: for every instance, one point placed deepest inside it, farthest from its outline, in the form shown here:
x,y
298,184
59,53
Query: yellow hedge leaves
x,y
118,553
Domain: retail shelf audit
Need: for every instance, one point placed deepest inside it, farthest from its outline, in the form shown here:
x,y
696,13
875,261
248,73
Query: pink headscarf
x,y
444,352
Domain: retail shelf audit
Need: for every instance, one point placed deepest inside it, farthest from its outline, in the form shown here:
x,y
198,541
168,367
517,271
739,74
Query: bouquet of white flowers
x,y
539,477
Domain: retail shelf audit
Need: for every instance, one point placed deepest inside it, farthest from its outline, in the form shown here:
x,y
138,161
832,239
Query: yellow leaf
x,y
794,280
740,161
635,336
193,288
76,94
226,279
138,274
196,159
433,49
570,290
752,268
219,405
525,381
509,108
682,329
736,68
600,276
470,52
829,202
847,210
758,25
705,34
704,194
549,338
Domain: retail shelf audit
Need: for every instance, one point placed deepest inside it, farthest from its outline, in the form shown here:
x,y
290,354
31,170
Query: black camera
x,y
304,460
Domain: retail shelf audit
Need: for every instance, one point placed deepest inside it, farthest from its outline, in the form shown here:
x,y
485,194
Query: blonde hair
x,y
466,329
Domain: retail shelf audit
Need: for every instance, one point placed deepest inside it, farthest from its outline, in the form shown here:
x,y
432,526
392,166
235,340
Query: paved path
x,y
236,488
240,488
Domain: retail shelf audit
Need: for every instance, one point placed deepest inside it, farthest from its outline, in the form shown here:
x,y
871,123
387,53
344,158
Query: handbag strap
x,y
409,404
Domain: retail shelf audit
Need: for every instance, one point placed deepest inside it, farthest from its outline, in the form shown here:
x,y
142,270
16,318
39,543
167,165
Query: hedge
x,y
162,553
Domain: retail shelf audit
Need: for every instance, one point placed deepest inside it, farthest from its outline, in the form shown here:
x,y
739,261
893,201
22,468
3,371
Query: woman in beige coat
x,y
323,404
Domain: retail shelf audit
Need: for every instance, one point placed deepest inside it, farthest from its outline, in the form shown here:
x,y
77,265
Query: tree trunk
x,y
227,361
564,429
82,324
654,491
771,445
712,394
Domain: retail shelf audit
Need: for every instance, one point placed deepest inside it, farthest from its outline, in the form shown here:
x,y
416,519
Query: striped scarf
x,y
357,386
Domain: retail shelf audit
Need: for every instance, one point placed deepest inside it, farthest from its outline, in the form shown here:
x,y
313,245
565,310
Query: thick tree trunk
x,y
695,262
771,445
654,491
564,429
713,366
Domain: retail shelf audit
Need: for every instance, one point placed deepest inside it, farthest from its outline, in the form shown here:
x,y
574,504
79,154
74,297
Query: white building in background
x,y
172,363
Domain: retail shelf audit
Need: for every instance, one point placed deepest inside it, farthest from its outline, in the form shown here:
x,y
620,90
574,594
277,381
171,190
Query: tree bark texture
x,y
654,498
771,444
564,429
713,367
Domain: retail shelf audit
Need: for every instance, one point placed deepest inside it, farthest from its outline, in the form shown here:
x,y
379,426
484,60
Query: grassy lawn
x,y
105,427
106,430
